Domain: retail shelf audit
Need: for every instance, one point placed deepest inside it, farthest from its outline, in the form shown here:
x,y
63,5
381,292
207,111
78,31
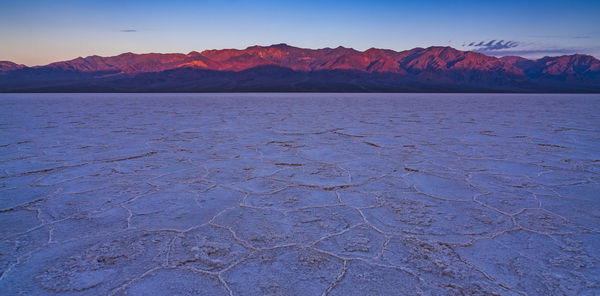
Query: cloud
x,y
524,49
534,52
129,31
492,45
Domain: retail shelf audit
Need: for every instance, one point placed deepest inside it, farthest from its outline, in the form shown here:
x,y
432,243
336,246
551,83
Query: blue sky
x,y
35,32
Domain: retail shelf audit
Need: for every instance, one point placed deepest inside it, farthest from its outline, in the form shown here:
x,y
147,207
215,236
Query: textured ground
x,y
313,194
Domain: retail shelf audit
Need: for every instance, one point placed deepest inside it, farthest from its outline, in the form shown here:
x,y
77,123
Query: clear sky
x,y
36,32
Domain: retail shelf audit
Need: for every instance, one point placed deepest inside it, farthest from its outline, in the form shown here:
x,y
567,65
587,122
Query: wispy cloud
x,y
492,45
534,53
523,49
128,31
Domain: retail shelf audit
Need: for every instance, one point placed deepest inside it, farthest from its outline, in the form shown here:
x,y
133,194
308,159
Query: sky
x,y
38,32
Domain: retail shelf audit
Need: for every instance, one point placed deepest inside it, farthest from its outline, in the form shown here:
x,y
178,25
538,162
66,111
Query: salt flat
x,y
299,194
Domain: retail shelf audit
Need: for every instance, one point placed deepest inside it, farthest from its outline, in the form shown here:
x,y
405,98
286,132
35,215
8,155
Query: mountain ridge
x,y
435,68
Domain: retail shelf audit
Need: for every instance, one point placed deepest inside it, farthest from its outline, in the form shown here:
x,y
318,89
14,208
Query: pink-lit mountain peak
x,y
373,60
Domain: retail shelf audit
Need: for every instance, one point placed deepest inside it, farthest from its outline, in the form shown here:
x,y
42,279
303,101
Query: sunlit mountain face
x,y
286,68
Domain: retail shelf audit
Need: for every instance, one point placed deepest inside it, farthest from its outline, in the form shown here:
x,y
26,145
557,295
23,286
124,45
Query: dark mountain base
x,y
279,79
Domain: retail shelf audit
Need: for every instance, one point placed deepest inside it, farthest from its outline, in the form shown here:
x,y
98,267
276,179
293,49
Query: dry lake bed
x,y
299,194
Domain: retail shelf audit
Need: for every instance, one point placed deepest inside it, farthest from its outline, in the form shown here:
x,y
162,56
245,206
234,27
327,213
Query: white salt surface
x,y
299,194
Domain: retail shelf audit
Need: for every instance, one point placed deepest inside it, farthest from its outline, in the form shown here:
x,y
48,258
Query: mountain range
x,y
286,68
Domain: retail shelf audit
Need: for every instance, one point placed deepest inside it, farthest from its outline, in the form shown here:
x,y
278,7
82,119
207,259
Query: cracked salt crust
x,y
299,194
